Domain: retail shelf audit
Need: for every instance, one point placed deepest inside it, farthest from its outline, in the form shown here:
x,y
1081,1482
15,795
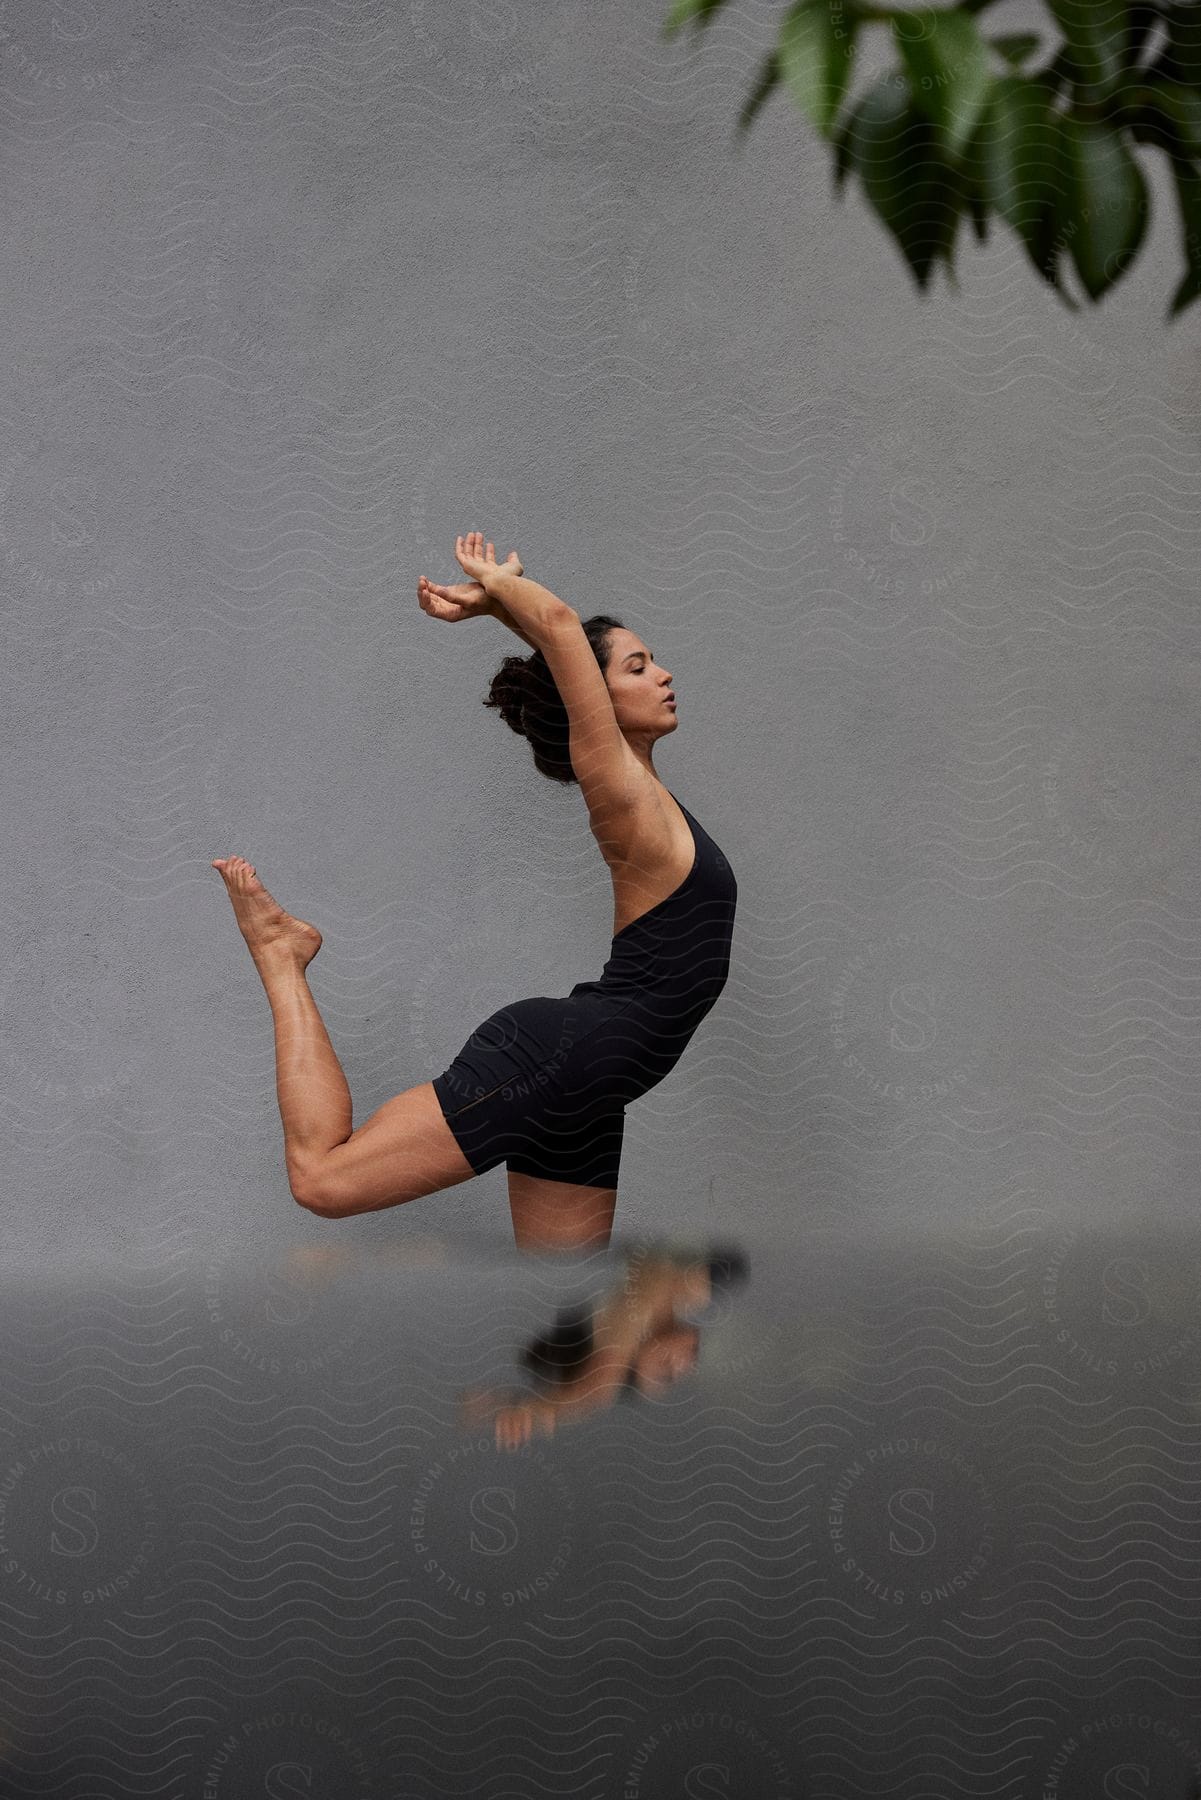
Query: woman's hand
x,y
478,559
467,600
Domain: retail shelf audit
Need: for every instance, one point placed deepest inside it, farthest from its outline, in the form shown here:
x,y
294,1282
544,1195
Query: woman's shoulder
x,y
650,851
649,819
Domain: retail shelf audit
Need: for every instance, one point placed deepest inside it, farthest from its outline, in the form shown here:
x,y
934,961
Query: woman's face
x,y
638,685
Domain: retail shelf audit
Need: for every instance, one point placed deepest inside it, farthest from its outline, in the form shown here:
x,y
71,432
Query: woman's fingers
x,y
475,554
436,602
491,555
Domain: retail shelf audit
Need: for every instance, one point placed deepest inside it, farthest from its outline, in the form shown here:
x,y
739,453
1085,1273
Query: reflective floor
x,y
910,1516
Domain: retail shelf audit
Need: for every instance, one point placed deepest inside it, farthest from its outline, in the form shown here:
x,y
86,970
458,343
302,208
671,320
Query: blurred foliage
x,y
968,126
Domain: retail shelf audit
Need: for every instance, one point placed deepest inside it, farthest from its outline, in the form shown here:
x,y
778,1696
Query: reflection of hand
x,y
478,1405
515,1425
312,1262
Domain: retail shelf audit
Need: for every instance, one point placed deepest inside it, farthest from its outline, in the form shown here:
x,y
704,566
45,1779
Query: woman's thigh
x,y
559,1215
403,1151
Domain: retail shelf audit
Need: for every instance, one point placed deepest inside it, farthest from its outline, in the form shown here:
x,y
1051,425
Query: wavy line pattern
x,y
295,293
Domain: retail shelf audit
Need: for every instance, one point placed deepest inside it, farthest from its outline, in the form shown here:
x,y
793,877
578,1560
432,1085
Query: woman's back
x,y
543,1083
676,955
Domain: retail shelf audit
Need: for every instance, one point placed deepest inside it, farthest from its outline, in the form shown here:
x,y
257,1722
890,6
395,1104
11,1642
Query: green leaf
x,y
891,144
1016,46
969,177
1059,73
1181,58
1015,162
949,204
1186,293
1142,18
1108,205
947,63
842,155
817,50
1096,33
875,136
1188,193
768,79
699,11
1018,149
1180,110
978,209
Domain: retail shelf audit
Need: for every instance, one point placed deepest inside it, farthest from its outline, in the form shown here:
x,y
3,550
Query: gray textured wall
x,y
295,294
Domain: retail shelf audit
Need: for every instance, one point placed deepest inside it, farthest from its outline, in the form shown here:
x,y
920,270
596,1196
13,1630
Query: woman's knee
x,y
404,1151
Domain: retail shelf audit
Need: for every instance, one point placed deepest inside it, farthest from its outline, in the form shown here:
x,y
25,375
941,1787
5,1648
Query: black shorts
x,y
533,1088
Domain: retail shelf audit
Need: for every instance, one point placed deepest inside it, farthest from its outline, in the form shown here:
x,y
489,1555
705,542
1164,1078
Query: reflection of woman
x,y
631,1343
542,1085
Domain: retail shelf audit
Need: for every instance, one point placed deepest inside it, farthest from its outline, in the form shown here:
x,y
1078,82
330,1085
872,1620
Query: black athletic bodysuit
x,y
542,1085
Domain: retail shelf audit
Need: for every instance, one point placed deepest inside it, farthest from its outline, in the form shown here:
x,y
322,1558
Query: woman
x,y
542,1084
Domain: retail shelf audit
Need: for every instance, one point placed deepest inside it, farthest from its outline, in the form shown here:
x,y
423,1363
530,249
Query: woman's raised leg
x,y
404,1150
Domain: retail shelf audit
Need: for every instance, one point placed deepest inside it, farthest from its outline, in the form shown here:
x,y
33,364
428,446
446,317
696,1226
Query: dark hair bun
x,y
508,691
558,1353
728,1269
523,692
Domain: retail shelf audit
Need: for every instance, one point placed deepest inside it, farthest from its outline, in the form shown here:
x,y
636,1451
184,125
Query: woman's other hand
x,y
466,600
478,559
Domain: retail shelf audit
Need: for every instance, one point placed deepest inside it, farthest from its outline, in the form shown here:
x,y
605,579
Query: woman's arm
x,y
466,600
500,611
534,612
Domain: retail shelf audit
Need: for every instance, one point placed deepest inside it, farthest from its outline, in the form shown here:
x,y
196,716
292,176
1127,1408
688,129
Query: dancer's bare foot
x,y
268,929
